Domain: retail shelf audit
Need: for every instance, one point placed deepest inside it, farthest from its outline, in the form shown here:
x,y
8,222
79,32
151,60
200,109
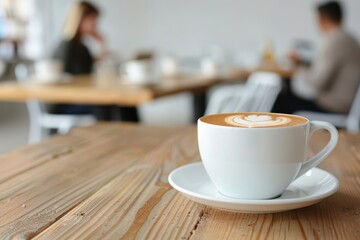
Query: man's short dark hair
x,y
331,10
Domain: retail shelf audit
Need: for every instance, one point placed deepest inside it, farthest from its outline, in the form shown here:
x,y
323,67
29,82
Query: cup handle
x,y
315,160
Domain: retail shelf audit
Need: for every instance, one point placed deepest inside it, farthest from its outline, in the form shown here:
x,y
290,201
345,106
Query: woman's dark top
x,y
75,57
77,60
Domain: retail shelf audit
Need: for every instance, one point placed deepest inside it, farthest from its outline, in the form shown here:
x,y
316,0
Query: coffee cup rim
x,y
256,128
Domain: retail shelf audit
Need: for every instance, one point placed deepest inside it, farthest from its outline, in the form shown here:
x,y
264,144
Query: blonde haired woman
x,y
74,54
80,23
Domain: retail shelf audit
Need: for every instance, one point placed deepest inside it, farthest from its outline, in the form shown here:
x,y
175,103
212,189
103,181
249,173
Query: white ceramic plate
x,y
193,181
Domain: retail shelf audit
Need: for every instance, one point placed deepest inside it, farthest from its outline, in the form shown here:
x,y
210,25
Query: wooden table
x,y
285,73
108,92
109,181
89,90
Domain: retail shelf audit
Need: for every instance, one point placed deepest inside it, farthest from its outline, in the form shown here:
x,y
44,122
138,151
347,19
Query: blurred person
x,y
329,83
81,23
74,54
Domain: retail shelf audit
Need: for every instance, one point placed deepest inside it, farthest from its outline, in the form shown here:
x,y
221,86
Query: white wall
x,y
186,27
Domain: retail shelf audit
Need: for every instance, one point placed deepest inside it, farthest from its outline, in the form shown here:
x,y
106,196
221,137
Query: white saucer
x,y
193,181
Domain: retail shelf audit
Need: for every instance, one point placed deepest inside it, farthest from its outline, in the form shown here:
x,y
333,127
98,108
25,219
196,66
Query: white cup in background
x,y
170,67
210,67
48,71
136,71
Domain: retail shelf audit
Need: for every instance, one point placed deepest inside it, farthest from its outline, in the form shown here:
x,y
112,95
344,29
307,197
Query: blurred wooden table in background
x,y
88,90
285,73
110,92
109,181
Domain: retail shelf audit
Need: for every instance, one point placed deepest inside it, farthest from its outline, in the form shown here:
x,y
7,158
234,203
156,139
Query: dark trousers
x,y
289,103
72,109
102,113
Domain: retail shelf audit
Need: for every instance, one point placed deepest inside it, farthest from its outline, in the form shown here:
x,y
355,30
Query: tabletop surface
x,y
87,89
109,181
112,91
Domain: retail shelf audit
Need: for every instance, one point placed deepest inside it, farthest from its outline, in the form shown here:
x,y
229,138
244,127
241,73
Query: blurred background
x,y
237,31
184,28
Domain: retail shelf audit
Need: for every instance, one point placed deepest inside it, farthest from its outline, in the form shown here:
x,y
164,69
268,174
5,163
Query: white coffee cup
x,y
210,67
259,163
136,71
170,67
48,71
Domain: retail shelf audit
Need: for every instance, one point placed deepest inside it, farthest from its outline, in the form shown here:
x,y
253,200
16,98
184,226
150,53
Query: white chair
x,y
350,122
41,122
257,95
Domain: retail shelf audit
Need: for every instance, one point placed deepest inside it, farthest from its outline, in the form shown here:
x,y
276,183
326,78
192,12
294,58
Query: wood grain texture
x,y
29,156
109,181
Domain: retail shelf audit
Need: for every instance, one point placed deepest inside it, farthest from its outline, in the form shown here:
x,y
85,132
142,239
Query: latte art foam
x,y
254,120
251,121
